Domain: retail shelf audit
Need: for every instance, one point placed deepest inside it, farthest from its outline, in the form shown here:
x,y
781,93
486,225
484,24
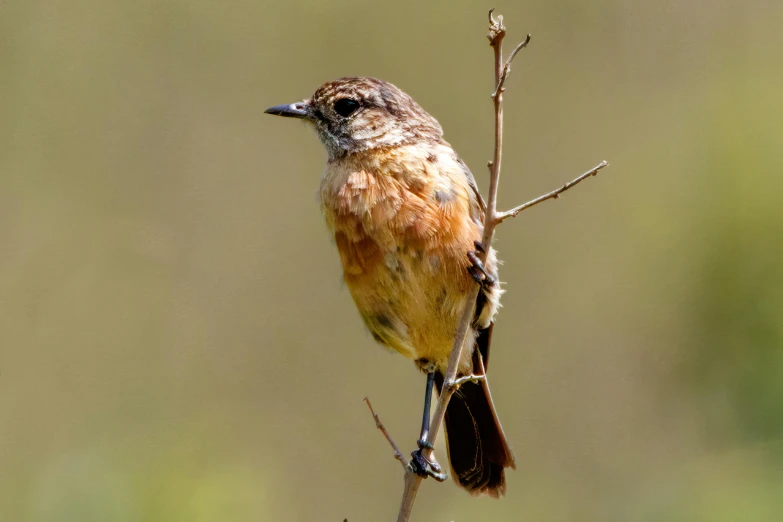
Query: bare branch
x,y
462,380
412,481
517,49
507,67
492,218
378,424
555,194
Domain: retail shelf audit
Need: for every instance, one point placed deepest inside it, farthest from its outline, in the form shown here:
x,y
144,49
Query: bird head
x,y
358,114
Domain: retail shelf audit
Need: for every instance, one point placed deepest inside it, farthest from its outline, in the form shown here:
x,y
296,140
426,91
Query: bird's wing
x,y
483,340
482,207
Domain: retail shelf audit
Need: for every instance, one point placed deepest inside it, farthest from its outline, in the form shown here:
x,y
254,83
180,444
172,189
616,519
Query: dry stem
x,y
378,424
492,218
555,194
462,380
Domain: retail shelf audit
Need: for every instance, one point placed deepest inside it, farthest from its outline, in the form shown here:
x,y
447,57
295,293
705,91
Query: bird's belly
x,y
410,300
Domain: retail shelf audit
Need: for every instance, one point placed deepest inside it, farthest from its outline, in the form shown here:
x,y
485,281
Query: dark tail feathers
x,y
477,447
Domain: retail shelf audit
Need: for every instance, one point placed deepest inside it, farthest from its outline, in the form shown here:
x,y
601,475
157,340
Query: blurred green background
x,y
176,342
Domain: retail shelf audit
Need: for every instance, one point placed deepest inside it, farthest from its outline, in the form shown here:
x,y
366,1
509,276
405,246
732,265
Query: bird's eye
x,y
345,107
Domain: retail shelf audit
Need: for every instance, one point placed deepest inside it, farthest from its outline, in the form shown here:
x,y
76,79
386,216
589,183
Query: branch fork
x,y
455,384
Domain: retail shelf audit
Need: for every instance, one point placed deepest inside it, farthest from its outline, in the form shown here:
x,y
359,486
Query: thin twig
x,y
462,380
491,219
412,481
517,49
507,67
378,424
555,194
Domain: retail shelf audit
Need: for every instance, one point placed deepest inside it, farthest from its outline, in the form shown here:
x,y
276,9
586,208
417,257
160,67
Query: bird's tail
x,y
477,447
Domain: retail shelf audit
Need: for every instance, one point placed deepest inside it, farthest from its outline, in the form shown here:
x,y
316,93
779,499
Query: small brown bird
x,y
407,219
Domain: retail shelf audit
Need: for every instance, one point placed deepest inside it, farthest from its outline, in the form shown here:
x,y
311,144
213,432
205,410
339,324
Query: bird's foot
x,y
426,466
477,270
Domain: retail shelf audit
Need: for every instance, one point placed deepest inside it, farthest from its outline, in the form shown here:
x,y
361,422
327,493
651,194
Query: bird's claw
x,y
426,467
477,270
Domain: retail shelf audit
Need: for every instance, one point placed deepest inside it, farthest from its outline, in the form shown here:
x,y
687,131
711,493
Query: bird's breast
x,y
402,228
390,205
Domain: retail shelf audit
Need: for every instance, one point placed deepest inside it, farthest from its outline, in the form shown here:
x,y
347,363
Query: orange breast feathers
x,y
404,220
411,199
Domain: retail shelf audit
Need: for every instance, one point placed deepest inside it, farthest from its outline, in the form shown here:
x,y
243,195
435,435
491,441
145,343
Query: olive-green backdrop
x,y
175,340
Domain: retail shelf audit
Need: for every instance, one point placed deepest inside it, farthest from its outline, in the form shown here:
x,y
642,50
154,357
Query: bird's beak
x,y
291,110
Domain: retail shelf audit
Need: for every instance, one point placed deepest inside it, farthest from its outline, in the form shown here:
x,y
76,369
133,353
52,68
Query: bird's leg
x,y
420,464
425,418
477,270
